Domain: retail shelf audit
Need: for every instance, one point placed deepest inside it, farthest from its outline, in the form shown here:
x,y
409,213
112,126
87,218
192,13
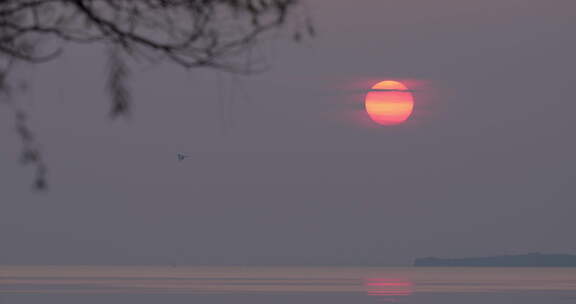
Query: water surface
x,y
220,285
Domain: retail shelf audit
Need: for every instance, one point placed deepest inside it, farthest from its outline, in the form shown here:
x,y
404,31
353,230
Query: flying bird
x,y
181,156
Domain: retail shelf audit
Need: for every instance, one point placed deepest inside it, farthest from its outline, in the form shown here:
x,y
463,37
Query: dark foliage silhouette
x,y
214,34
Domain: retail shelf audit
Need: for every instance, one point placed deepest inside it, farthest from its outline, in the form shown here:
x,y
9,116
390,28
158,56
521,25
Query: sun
x,y
389,102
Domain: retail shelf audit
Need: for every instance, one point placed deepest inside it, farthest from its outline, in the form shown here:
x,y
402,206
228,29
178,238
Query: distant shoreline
x,y
520,260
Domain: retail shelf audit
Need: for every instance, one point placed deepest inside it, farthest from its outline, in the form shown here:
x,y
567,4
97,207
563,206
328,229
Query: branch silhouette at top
x,y
216,34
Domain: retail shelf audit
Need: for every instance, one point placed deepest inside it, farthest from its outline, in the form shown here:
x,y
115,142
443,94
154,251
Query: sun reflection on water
x,y
388,289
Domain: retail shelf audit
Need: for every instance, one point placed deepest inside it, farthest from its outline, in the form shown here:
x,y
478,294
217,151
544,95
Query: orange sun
x,y
389,103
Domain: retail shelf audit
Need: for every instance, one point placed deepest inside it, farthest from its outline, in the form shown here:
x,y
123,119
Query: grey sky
x,y
486,167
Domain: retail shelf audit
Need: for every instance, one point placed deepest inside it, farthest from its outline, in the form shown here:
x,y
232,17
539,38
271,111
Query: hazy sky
x,y
282,172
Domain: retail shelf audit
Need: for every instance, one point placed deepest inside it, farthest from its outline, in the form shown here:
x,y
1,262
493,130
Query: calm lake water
x,y
334,285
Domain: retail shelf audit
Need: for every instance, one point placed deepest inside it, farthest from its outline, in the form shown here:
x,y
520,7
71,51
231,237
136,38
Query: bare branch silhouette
x,y
190,33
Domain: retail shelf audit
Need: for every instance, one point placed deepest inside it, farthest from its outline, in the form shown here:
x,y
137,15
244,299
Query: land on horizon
x,y
519,260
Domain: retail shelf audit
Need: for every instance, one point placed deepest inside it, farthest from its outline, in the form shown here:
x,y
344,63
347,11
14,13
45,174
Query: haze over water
x,y
280,169
166,284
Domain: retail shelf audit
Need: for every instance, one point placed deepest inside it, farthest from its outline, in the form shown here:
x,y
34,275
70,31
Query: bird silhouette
x,y
181,156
